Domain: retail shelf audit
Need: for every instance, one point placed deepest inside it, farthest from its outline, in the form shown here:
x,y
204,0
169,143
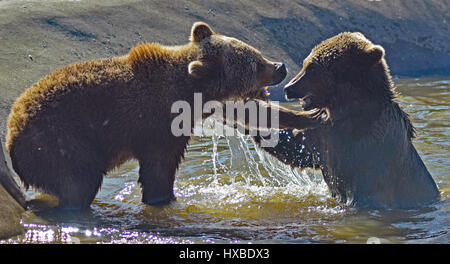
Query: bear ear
x,y
200,31
374,54
197,69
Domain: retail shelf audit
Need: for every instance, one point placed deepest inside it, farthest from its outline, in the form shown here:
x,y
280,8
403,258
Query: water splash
x,y
254,166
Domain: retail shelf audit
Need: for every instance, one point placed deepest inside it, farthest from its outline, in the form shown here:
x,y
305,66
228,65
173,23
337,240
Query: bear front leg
x,y
303,119
157,174
292,149
156,178
287,119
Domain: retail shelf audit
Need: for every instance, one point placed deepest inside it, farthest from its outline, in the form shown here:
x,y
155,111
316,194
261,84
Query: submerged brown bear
x,y
75,124
366,156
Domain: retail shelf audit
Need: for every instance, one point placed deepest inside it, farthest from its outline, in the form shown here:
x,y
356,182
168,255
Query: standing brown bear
x,y
75,124
366,156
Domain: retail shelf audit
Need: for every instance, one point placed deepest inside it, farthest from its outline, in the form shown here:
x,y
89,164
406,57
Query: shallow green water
x,y
229,192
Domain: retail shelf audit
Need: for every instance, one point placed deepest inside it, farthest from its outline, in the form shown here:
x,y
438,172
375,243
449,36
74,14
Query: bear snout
x,y
279,74
292,91
295,88
289,93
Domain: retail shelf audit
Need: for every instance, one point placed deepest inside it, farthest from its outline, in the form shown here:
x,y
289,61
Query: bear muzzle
x,y
294,90
279,74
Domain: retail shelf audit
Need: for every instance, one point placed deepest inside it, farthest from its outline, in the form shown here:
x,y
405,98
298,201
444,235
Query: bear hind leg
x,y
58,164
79,189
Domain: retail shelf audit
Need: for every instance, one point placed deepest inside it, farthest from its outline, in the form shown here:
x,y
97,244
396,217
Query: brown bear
x,y
366,155
77,123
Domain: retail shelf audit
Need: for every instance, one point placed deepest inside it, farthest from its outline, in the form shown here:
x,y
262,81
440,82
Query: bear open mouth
x,y
306,102
261,94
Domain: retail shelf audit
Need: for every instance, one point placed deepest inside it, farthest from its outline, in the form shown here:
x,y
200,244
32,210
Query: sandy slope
x,y
415,33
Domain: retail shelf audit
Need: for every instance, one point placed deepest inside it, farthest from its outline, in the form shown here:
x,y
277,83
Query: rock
x,y
10,209
7,181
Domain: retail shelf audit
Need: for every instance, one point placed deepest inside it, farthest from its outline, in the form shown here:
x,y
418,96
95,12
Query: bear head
x,y
339,71
232,67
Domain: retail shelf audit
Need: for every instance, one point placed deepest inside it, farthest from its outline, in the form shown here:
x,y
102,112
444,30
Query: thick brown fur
x,y
366,156
75,124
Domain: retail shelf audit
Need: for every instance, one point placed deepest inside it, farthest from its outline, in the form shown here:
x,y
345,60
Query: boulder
x,y
12,201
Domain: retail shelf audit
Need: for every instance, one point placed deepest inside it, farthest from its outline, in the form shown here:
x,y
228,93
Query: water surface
x,y
228,191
